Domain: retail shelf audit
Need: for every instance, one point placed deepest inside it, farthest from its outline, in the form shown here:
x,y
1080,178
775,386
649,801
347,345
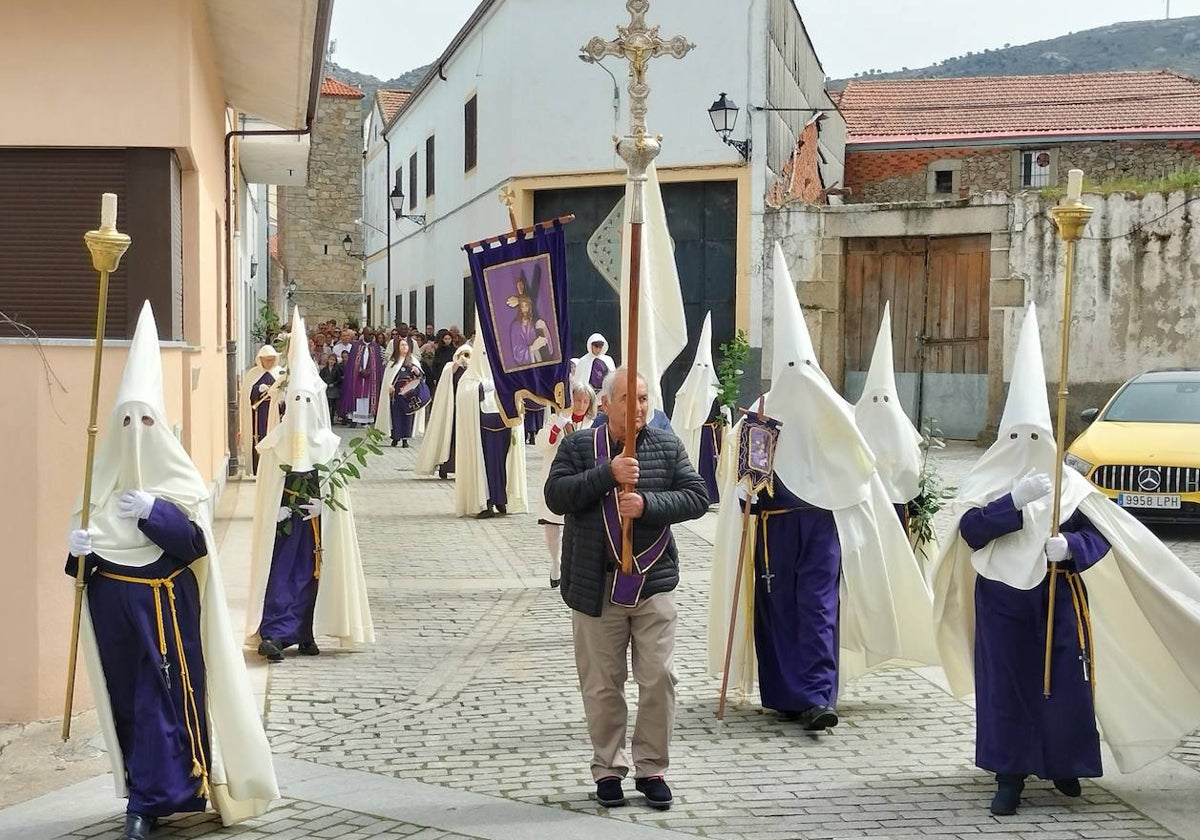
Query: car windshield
x,y
1157,402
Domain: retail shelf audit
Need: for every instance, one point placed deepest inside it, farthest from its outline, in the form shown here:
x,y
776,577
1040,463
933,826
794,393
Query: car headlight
x,y
1078,464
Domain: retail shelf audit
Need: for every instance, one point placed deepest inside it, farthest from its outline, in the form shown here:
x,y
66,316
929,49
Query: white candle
x,y
108,211
1074,184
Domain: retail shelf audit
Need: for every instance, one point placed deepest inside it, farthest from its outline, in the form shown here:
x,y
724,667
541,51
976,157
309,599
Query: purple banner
x,y
521,301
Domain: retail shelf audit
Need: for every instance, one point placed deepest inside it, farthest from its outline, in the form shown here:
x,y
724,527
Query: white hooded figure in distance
x,y
886,428
1126,611
306,575
697,418
489,477
257,408
437,446
174,703
595,364
831,588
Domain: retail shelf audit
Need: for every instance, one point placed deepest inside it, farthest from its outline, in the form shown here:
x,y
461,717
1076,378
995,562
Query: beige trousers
x,y
648,632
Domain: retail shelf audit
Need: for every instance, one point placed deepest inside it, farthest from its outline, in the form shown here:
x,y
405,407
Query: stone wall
x,y
314,219
903,174
1136,296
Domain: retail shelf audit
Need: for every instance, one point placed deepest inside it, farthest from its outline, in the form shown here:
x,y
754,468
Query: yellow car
x,y
1143,448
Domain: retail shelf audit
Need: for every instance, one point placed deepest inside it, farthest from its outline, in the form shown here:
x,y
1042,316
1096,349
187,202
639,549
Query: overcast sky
x,y
387,37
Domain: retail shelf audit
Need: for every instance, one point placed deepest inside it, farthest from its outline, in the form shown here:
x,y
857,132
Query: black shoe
x,y
442,473
270,649
554,583
404,444
137,826
1068,787
308,649
609,792
501,510
394,442
1008,794
656,791
816,718
486,514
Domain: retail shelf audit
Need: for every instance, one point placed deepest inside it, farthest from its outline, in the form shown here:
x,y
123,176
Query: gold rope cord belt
x,y
1083,626
316,529
763,518
191,715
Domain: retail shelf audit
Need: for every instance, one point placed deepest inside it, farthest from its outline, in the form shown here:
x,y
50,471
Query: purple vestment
x,y
496,440
535,417
448,466
147,698
797,569
1018,731
260,406
359,382
520,337
291,596
599,371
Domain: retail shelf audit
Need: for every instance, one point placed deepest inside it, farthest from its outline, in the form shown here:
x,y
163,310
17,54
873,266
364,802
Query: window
x,y
943,178
468,321
429,167
943,182
428,306
412,182
1036,168
471,133
412,306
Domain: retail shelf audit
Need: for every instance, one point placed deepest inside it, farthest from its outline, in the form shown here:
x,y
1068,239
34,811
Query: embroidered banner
x,y
757,437
521,301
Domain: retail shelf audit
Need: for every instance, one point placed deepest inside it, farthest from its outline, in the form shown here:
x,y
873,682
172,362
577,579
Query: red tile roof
x,y
391,101
991,107
332,87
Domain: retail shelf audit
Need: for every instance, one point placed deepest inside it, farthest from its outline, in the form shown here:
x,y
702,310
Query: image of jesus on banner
x,y
529,339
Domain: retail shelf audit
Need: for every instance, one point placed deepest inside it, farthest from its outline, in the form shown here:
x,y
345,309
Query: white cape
x,y
241,774
435,445
245,425
1145,611
694,399
548,450
470,478
342,609
885,602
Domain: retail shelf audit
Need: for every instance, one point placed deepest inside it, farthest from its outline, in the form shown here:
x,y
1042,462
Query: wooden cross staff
x,y
636,43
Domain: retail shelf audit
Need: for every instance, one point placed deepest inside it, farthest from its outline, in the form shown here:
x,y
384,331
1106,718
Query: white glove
x,y
727,414
283,515
1031,487
262,389
1057,549
489,387
312,509
79,543
135,504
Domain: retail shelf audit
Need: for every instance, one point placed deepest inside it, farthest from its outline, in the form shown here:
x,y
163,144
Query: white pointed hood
x,y
821,455
139,452
1025,443
882,421
303,438
694,399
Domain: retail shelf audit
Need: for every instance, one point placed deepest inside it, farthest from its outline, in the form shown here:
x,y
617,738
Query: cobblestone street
x,y
471,690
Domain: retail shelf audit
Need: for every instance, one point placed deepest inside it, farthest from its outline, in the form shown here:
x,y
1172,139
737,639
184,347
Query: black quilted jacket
x,y
673,492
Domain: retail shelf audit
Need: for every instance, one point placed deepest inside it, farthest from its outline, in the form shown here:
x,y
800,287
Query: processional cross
x,y
636,43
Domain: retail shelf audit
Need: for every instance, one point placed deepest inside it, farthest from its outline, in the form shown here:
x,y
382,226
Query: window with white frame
x,y
1036,169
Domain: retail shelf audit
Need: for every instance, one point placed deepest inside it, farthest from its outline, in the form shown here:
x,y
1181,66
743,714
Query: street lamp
x,y
253,266
724,114
396,197
348,247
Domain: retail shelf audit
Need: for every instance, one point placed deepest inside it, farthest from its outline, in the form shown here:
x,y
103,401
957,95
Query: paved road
x,y
471,690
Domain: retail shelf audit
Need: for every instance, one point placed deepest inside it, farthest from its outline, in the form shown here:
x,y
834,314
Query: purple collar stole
x,y
627,588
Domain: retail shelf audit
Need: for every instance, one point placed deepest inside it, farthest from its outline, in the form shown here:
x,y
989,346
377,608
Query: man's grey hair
x,y
610,381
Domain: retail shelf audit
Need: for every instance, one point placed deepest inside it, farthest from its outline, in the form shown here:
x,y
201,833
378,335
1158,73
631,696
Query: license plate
x,y
1160,501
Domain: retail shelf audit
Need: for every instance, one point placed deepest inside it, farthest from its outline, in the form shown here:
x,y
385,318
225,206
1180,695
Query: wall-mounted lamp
x,y
253,266
396,197
724,114
348,247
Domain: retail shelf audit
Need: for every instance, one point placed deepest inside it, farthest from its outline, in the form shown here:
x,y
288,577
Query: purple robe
x,y
260,407
535,417
797,569
1018,731
402,418
710,453
147,699
359,383
520,337
496,438
291,596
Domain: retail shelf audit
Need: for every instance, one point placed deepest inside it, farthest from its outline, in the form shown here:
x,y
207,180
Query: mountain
x,y
369,84
1140,45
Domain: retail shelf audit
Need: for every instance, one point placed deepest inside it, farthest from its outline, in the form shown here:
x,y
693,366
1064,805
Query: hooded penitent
x,y
476,394
883,423
822,459
591,368
1144,602
437,443
694,400
139,451
302,441
256,409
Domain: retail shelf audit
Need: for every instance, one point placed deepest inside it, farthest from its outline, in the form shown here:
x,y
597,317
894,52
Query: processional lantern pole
x,y
1070,217
637,43
107,246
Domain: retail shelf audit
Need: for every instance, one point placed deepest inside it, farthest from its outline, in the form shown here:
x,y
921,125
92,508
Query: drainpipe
x,y
320,39
387,146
